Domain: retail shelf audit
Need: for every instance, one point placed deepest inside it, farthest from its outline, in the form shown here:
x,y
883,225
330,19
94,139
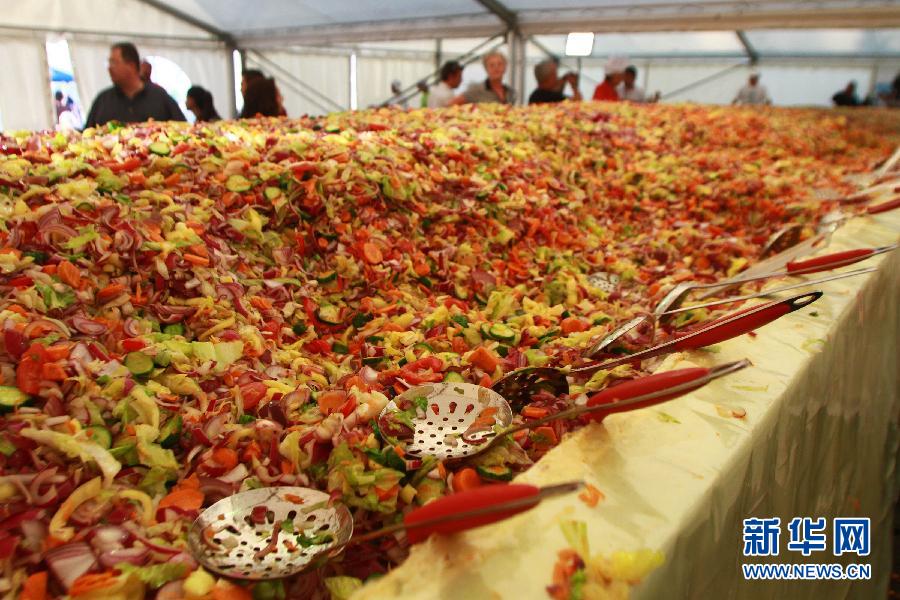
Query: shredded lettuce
x,y
83,449
150,454
155,576
575,533
54,299
87,234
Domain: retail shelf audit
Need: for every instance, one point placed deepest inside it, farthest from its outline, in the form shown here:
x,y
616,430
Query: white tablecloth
x,y
819,439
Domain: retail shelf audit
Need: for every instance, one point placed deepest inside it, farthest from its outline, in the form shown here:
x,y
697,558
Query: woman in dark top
x,y
200,102
262,99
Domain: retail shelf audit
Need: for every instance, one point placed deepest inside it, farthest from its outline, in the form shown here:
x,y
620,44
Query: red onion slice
x,y
88,326
69,562
133,556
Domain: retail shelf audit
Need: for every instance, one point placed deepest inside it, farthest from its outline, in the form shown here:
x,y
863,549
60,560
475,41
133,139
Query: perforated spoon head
x,y
451,410
268,533
519,386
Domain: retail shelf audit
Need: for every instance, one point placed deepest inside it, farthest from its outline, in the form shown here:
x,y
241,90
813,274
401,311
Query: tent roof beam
x,y
190,20
752,54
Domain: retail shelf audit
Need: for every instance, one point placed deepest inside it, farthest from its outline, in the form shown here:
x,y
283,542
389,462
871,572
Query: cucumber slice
x,y
340,348
460,320
360,320
327,277
174,329
502,333
11,398
299,328
138,363
170,432
238,183
496,473
272,193
454,377
99,435
160,148
486,330
372,360
329,314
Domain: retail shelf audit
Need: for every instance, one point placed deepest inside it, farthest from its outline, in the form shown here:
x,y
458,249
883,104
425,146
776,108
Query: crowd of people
x,y
134,97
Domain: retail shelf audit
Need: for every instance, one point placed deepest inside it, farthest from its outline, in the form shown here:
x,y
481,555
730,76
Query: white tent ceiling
x,y
275,22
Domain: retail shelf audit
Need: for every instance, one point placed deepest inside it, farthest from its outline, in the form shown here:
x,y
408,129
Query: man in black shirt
x,y
550,86
130,100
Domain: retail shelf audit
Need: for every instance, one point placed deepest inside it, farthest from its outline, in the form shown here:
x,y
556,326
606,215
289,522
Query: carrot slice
x,y
91,582
484,359
35,587
466,479
372,253
226,457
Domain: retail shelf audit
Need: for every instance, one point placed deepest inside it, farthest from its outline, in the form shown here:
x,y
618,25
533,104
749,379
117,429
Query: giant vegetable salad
x,y
190,311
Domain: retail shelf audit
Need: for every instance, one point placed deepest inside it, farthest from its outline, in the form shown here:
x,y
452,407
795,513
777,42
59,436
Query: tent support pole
x,y
517,63
752,54
232,82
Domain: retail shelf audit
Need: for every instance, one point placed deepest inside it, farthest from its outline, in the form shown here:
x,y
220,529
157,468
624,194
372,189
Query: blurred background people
x,y
753,93
262,98
146,71
628,89
550,86
615,73
200,102
493,89
847,96
441,94
130,100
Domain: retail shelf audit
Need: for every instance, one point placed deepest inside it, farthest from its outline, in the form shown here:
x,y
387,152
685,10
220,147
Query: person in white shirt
x,y
752,93
441,94
628,90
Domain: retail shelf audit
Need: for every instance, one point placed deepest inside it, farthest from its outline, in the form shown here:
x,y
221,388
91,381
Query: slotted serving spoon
x,y
454,425
678,294
244,536
781,240
518,386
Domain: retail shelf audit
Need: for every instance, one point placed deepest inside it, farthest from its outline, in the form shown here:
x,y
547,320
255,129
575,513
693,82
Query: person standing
x,y
493,89
550,86
130,100
615,72
628,89
263,98
752,94
847,96
441,94
200,102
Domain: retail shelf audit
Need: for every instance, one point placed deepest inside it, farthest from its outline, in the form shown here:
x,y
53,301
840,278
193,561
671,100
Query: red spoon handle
x,y
744,323
442,515
884,206
643,386
829,261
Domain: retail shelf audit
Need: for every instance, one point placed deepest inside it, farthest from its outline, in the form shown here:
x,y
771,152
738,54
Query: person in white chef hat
x,y
615,72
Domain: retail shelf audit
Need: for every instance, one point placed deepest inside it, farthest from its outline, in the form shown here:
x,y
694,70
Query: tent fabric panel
x,y
120,18
25,80
374,77
327,74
